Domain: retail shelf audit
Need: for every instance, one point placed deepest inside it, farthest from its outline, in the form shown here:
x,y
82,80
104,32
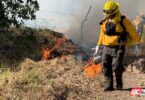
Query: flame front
x,y
92,70
46,51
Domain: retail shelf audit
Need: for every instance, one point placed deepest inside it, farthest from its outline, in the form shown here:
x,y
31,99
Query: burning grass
x,y
57,79
93,70
36,44
52,73
61,47
53,80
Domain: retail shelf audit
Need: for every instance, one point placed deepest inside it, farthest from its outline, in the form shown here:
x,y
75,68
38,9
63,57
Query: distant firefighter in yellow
x,y
139,23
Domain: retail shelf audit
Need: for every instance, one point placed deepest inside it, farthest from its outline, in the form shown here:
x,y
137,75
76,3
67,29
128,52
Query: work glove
x,y
96,50
137,50
97,55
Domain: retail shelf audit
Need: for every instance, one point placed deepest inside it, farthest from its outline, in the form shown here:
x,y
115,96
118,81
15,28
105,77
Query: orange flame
x,y
59,43
46,51
92,70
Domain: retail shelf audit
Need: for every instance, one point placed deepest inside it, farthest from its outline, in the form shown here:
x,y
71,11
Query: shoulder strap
x,y
102,21
121,22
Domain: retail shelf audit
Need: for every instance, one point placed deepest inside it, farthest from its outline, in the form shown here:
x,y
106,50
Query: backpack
x,y
110,30
123,35
121,22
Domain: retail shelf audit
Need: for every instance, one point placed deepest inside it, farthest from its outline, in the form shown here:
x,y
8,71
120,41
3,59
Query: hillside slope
x,y
25,73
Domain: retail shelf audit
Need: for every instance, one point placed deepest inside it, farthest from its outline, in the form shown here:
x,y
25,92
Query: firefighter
x,y
137,22
116,32
142,15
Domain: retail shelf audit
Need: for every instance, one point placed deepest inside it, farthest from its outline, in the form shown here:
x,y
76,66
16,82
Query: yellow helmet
x,y
111,8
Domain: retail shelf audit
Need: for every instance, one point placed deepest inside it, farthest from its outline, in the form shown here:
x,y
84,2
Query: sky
x,y
66,16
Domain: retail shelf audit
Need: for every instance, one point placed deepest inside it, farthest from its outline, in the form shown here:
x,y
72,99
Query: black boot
x,y
109,84
119,82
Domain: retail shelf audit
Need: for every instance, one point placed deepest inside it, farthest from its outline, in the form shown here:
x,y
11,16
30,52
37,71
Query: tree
x,y
13,12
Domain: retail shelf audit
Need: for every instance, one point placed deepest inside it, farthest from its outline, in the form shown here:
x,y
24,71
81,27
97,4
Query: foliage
x,y
13,12
36,56
33,77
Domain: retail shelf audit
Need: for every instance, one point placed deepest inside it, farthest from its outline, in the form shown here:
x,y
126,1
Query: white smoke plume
x,y
66,16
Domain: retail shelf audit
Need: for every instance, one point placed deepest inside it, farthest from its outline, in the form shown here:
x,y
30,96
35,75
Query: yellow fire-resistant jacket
x,y
132,37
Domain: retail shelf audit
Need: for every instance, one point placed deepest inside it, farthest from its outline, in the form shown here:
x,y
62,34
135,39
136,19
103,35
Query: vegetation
x,y
18,44
24,75
13,12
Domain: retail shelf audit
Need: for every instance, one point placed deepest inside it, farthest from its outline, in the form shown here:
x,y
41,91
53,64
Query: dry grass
x,y
60,78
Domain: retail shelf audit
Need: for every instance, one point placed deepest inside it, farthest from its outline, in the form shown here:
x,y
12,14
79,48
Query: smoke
x,y
66,16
